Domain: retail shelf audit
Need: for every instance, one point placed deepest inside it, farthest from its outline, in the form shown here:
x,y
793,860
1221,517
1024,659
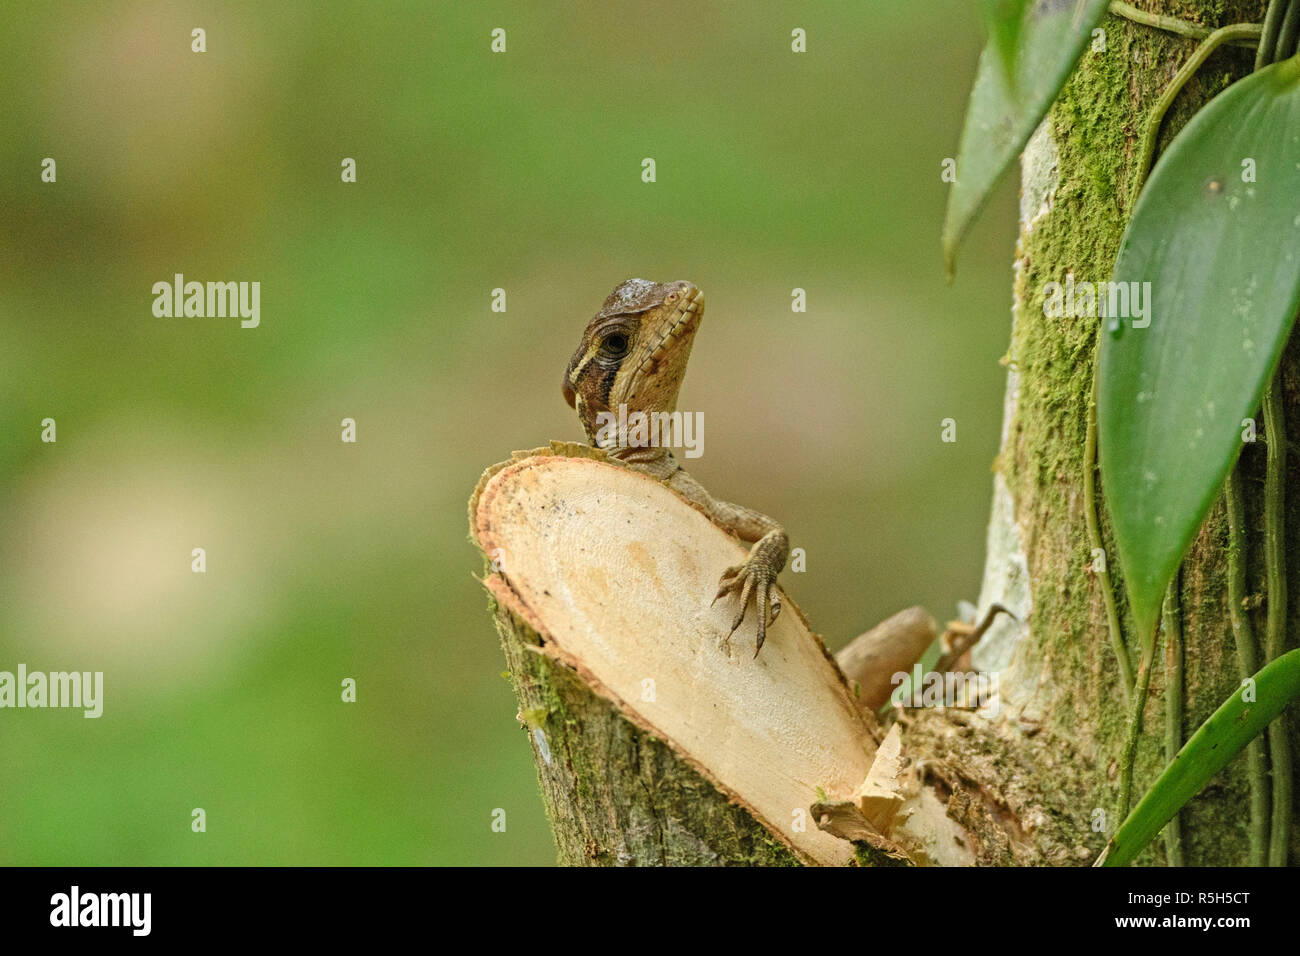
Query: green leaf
x,y
1224,735
1004,20
1006,105
1220,255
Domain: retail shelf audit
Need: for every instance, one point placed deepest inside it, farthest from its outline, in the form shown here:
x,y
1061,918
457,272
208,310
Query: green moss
x,y
534,716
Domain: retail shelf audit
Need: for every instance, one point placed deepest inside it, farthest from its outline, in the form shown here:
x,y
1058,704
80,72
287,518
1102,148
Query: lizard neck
x,y
652,459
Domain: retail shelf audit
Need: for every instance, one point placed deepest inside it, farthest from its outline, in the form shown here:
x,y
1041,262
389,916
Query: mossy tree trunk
x,y
1048,768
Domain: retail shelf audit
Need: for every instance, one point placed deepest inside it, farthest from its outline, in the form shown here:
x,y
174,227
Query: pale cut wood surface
x,y
616,572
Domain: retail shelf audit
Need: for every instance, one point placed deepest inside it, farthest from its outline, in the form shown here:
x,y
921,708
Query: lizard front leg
x,y
758,572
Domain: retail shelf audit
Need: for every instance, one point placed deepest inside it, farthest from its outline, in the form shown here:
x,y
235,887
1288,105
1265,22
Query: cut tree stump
x,y
653,744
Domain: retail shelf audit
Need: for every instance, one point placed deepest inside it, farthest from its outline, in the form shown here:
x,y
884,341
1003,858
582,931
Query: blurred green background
x,y
475,171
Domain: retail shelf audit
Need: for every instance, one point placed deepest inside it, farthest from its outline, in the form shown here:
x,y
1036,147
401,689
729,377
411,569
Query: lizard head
x,y
634,351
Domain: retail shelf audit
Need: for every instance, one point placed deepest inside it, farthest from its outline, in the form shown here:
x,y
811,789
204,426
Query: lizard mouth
x,y
676,329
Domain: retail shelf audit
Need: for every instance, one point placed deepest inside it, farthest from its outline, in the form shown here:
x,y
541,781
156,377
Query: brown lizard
x,y
634,353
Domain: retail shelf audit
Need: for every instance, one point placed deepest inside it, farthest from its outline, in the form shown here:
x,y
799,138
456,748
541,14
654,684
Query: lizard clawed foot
x,y
756,575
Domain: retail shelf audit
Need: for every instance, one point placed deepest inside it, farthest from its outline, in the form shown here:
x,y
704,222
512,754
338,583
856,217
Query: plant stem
x,y
1090,516
1201,54
1268,39
1247,661
1275,643
1172,614
1280,21
1134,730
1286,37
1193,31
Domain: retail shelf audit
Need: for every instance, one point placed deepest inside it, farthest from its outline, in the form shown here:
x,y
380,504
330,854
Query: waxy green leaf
x,y
1013,91
1224,735
1004,20
1212,256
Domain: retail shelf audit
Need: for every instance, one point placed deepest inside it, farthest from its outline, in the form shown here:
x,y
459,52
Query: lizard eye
x,y
671,297
615,344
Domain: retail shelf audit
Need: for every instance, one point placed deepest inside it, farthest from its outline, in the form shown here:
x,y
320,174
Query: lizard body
x,y
633,353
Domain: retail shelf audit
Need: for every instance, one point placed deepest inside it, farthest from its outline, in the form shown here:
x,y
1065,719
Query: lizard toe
x,y
744,605
731,579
